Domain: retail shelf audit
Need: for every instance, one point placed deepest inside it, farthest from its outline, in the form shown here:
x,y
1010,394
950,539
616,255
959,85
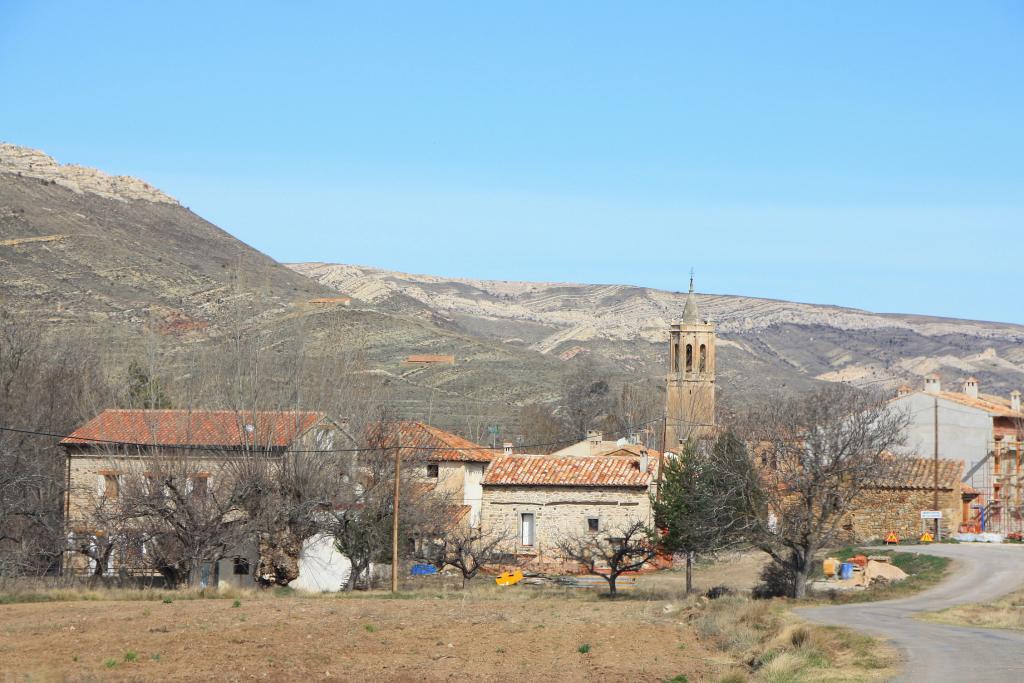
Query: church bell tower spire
x,y
690,395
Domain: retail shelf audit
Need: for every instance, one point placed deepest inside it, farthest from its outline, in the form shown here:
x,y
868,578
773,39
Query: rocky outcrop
x,y
32,163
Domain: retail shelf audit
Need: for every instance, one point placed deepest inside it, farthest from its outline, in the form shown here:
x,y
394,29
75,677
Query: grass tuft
x,y
584,648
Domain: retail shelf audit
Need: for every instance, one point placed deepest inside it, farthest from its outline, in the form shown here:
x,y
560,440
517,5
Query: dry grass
x,y
433,631
1006,612
775,646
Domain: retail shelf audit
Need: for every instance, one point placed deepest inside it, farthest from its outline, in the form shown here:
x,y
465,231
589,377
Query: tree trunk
x,y
611,584
802,571
689,573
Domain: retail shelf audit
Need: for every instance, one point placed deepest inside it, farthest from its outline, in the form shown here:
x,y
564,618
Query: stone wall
x,y
559,512
879,511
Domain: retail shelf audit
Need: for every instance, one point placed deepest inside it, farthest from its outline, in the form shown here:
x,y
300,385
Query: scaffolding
x,y
1002,506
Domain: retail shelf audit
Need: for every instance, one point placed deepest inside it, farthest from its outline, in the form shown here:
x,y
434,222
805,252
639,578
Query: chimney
x,y
932,384
645,460
971,387
507,448
1015,400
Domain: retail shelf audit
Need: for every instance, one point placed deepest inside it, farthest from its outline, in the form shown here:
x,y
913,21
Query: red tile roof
x,y
418,439
919,473
431,358
206,428
581,470
988,406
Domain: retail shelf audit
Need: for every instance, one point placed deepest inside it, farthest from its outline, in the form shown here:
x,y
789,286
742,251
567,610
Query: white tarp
x,y
322,569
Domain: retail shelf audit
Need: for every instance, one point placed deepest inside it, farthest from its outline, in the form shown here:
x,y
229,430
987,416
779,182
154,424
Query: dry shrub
x,y
765,638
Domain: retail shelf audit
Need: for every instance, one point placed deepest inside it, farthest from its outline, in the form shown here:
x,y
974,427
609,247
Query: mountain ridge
x,y
554,317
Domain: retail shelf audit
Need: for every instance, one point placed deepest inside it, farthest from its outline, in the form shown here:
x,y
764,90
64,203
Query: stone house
x,y
117,443
454,466
535,500
894,502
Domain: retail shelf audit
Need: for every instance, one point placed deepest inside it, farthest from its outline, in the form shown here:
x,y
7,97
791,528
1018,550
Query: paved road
x,y
937,652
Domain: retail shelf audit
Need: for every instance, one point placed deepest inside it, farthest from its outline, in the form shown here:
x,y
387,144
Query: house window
x,y
109,486
703,358
593,525
200,487
432,470
527,528
689,357
241,567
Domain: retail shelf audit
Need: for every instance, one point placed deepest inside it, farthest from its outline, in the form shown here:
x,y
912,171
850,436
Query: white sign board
x,y
931,514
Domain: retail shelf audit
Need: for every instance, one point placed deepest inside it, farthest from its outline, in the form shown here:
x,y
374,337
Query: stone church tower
x,y
690,396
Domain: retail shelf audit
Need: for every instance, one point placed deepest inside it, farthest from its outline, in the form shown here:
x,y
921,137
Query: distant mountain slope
x,y
115,262
766,343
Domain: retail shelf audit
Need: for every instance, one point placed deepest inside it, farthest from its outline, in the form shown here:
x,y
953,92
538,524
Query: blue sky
x,y
864,154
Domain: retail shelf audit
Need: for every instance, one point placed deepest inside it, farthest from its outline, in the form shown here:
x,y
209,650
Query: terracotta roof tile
x,y
437,444
982,404
919,473
581,470
431,358
206,428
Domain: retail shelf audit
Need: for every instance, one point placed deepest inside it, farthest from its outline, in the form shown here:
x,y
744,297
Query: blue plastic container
x,y
423,569
846,570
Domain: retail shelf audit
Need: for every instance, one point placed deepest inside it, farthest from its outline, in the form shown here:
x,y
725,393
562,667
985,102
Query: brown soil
x,y
519,634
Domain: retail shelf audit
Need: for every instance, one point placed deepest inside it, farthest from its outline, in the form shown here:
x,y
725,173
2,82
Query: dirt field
x,y
433,632
485,635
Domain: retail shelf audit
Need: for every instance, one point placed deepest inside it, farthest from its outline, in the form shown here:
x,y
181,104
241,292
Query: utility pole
x,y
394,520
661,456
935,492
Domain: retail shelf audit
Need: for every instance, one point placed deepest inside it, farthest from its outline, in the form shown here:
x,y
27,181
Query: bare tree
x,y
470,550
44,388
610,554
185,511
586,398
816,453
540,425
361,520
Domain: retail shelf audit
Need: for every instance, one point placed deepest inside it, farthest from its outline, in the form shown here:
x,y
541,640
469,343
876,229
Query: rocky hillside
x,y
765,343
127,269
31,163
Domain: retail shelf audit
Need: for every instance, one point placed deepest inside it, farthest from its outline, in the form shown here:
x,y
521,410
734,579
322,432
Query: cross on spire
x,y
690,314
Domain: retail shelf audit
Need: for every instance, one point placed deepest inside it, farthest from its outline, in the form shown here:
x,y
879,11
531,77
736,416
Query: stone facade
x,y
98,474
459,482
881,510
559,511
